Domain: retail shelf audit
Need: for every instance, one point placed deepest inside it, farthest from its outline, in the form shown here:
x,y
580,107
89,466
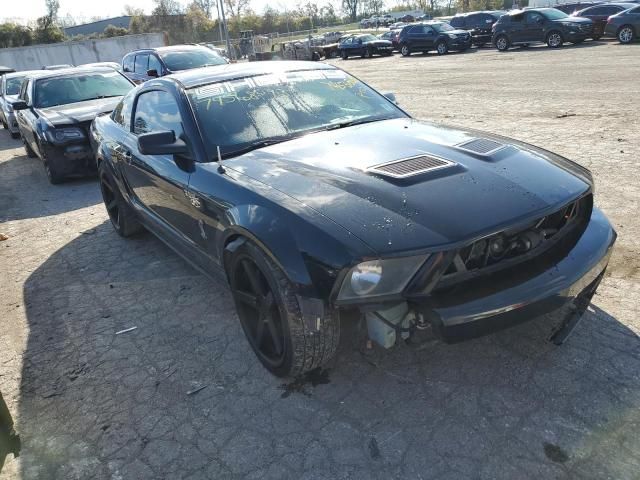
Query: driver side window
x,y
534,17
157,111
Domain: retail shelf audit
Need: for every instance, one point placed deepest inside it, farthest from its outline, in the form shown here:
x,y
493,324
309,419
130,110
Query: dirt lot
x,y
93,404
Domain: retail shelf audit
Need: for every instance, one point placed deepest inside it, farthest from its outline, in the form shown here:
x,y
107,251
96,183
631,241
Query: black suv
x,y
478,24
547,25
438,36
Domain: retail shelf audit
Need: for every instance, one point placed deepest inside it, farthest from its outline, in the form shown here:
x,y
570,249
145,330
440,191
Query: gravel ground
x,y
94,404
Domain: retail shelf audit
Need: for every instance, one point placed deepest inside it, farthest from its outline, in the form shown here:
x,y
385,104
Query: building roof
x,y
99,26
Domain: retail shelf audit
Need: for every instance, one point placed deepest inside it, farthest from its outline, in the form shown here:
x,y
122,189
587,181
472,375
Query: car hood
x,y
457,31
476,196
379,43
79,112
577,20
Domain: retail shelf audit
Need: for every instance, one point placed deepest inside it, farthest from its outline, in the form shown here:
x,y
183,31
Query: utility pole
x,y
220,22
226,31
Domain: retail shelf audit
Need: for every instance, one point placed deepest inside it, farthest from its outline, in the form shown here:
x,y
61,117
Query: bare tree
x,y
236,8
351,8
205,5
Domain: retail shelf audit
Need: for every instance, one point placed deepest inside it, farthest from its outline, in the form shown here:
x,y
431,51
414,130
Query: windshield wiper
x,y
100,97
253,146
351,123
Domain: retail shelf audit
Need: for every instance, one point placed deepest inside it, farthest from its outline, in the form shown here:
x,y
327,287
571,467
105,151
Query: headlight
x,y
59,135
377,278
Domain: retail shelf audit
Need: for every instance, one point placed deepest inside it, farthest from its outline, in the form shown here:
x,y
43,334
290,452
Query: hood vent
x,y
481,146
408,167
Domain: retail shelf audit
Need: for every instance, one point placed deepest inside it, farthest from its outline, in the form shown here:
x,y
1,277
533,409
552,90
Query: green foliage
x,y
12,35
113,31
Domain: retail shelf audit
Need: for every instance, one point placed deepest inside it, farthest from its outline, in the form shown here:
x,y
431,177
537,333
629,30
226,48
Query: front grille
x,y
408,167
542,243
482,146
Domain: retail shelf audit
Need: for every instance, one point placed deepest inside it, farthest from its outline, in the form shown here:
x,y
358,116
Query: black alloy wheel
x,y
110,201
258,311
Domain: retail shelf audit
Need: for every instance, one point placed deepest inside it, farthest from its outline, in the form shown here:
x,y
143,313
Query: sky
x,y
24,11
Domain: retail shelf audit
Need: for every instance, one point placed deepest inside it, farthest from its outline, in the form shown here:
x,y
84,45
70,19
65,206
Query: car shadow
x,y
136,366
20,173
535,48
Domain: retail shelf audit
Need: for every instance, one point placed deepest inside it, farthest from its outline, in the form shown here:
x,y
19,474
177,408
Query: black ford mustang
x,y
312,194
55,109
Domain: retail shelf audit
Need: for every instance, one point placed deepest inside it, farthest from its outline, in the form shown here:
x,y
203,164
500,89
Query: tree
x,y
206,6
113,31
351,8
46,30
236,8
164,8
132,11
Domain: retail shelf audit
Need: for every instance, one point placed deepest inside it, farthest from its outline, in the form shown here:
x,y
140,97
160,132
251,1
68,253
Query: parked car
x,y
547,25
391,36
10,84
365,46
57,67
407,18
284,214
141,65
438,36
572,7
599,14
332,37
478,24
218,51
625,26
55,109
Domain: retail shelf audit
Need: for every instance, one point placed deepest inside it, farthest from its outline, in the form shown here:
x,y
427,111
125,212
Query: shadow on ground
x,y
21,171
96,403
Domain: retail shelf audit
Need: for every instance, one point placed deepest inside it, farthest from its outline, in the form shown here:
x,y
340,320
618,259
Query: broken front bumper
x,y
572,281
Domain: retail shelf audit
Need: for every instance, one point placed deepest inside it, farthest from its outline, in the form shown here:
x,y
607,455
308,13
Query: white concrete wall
x,y
35,57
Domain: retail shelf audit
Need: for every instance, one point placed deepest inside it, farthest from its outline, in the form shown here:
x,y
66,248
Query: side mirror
x,y
161,143
152,73
20,105
391,97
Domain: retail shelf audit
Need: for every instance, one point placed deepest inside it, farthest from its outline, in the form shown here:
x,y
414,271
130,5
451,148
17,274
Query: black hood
x,y
475,195
80,112
379,43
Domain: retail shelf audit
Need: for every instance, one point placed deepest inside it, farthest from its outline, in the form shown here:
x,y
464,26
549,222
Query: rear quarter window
x,y
127,63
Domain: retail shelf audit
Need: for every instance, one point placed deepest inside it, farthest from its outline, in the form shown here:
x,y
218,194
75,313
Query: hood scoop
x,y
408,167
481,146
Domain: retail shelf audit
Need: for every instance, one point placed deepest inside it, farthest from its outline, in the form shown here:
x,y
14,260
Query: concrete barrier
x,y
113,49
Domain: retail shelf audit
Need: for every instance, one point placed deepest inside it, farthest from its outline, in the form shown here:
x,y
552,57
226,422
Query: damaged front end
x,y
551,263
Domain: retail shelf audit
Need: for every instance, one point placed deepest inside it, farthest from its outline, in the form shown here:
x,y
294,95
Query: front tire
x,y
502,43
405,51
554,40
52,174
344,55
15,135
27,148
271,318
626,34
442,48
122,216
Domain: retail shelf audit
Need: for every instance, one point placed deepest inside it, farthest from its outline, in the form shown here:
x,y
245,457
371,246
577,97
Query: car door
x,y
159,183
27,118
416,37
515,27
141,66
533,27
429,37
599,16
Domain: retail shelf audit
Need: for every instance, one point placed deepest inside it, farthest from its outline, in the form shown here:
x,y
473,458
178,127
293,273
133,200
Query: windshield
x,y
177,60
54,91
268,108
554,14
13,85
368,38
442,27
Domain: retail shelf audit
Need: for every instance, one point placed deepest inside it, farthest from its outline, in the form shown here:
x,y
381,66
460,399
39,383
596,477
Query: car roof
x,y
68,71
21,74
172,48
220,73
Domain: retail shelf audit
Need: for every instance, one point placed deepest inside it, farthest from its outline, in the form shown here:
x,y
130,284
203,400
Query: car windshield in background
x,y
13,86
554,14
61,90
368,38
442,27
177,60
239,114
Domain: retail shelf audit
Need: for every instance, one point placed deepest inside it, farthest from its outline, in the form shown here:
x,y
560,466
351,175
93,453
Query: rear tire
x,y
123,217
27,148
554,39
503,43
271,318
626,34
405,51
